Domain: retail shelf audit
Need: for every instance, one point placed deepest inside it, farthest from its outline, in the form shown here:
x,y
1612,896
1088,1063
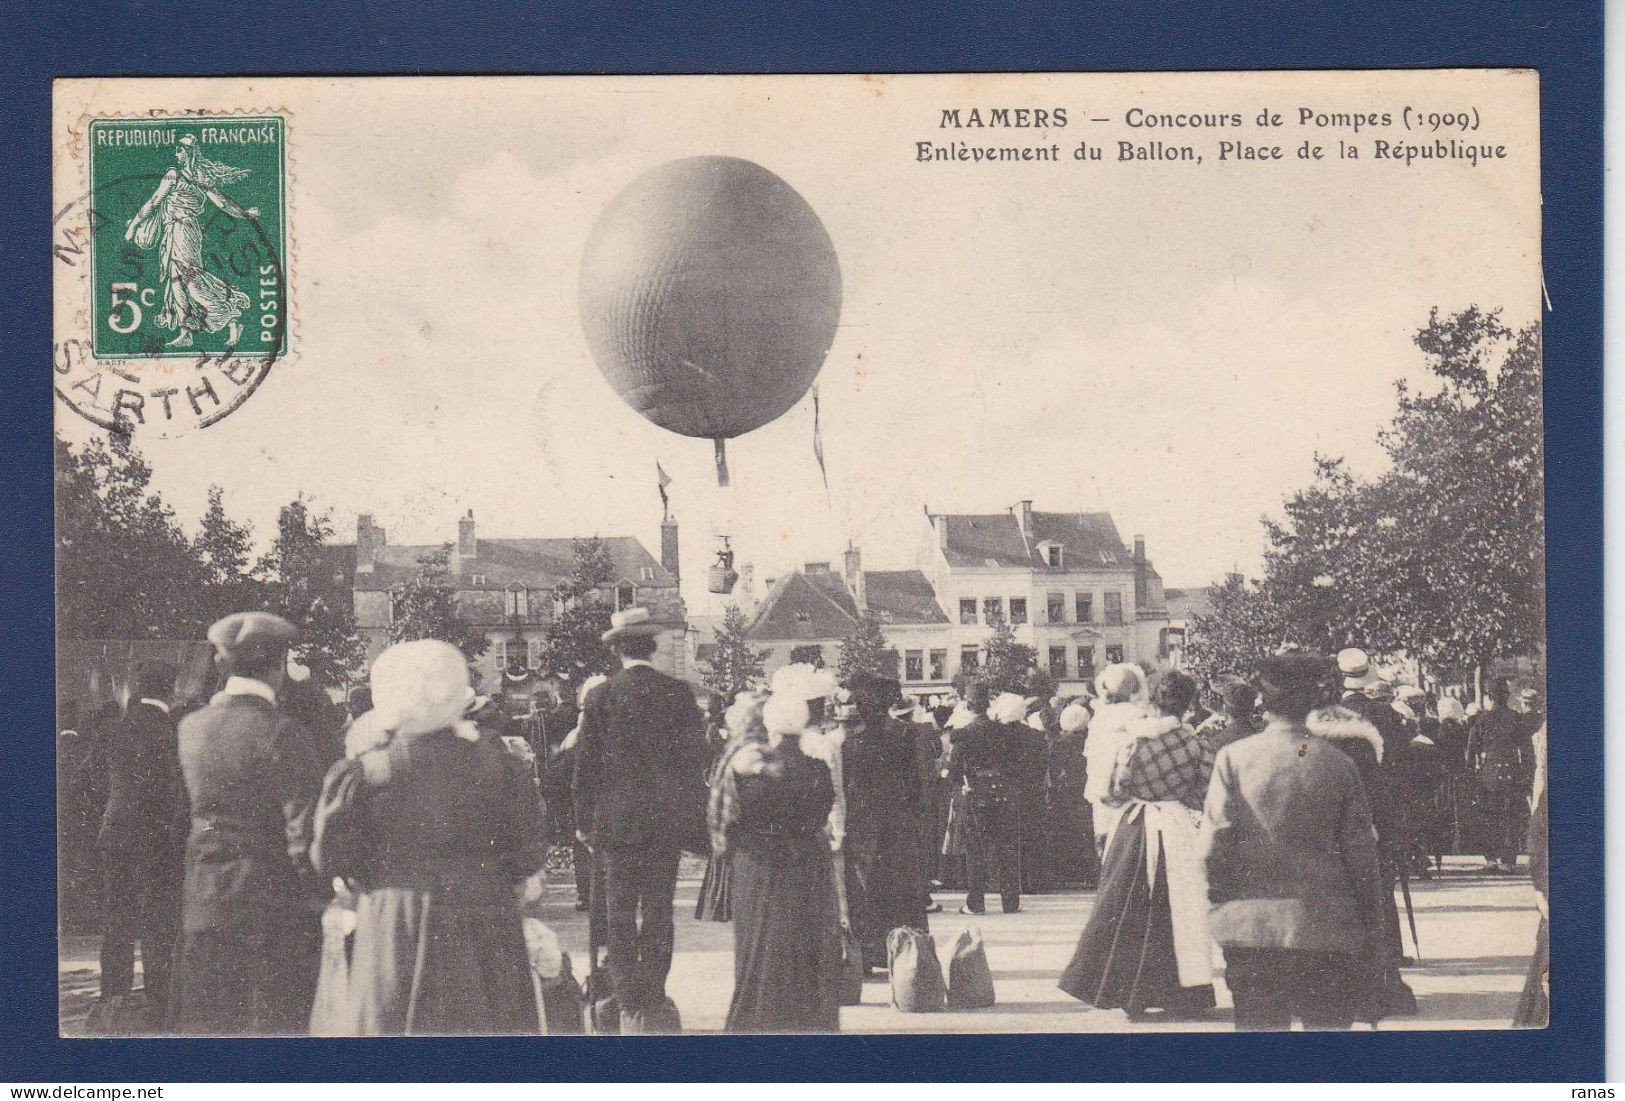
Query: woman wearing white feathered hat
x,y
435,828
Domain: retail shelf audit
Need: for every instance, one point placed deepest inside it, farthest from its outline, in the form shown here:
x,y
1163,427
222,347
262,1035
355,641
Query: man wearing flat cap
x,y
640,799
248,959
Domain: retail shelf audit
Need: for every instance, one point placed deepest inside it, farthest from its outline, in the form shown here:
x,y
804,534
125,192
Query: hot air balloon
x,y
709,296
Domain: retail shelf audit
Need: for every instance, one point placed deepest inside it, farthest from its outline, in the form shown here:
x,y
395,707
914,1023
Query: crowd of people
x,y
287,866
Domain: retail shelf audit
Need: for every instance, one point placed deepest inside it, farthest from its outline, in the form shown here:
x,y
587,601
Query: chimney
x,y
1139,549
368,538
853,562
668,548
1025,517
942,531
468,546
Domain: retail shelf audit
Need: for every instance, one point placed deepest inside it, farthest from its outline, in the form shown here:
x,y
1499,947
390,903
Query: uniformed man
x,y
984,763
249,939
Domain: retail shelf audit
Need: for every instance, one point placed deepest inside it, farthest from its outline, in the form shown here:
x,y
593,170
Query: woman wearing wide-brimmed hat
x,y
771,822
437,832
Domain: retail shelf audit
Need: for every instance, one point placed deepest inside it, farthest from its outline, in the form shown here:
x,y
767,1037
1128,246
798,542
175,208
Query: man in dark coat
x,y
885,869
640,800
1498,750
249,944
988,761
142,841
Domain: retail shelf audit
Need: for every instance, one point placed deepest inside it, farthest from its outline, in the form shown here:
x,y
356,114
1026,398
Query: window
x,y
1055,607
1053,556
626,596
517,601
808,655
992,609
558,608
1086,662
533,652
967,611
476,579
803,618
1114,609
1086,607
1057,661
646,573
1018,609
913,665
1114,654
939,665
970,657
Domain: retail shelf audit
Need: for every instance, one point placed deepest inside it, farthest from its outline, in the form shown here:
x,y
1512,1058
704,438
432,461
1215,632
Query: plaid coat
x,y
1167,761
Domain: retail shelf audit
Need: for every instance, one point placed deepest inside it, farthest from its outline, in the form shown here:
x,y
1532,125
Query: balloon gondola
x,y
709,297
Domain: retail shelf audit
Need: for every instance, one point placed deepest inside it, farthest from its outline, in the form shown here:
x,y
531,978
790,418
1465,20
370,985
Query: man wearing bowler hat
x,y
246,965
640,800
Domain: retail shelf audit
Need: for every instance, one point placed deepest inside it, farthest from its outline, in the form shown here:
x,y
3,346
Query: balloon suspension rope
x,y
722,462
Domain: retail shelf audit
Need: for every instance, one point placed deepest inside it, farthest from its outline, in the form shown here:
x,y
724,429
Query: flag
x,y
818,441
664,480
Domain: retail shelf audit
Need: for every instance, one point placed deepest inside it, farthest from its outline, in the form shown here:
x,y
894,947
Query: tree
x,y
865,651
222,548
573,649
1469,464
426,607
1241,628
1007,662
302,585
124,568
734,665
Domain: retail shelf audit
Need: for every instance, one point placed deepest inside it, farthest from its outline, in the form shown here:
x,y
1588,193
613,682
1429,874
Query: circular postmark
x,y
157,383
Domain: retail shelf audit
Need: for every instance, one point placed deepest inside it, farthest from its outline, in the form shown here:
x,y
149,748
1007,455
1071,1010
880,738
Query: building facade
x,y
1065,582
505,587
806,614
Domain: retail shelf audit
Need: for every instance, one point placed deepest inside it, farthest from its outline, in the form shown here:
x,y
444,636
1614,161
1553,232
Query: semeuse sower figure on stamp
x,y
195,299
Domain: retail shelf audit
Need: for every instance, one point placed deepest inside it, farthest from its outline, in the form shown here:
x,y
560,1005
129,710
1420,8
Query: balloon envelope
x,y
709,296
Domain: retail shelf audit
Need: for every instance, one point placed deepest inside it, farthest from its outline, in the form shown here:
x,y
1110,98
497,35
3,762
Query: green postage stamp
x,y
196,265
181,249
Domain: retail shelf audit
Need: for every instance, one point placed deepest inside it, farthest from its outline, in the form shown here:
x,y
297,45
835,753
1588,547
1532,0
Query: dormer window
x,y
803,617
1053,554
646,573
477,580
626,596
517,601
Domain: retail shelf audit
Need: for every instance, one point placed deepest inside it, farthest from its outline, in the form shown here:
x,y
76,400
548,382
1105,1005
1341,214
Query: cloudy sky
x,y
1168,342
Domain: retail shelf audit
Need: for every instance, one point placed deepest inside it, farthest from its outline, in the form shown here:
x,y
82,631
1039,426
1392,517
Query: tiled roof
x,y
1089,540
902,596
534,563
804,606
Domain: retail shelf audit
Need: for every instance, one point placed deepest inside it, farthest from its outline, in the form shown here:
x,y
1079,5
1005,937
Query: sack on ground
x,y
562,1002
916,976
851,992
970,979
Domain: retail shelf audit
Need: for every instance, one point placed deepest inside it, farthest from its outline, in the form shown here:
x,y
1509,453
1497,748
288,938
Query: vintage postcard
x,y
800,554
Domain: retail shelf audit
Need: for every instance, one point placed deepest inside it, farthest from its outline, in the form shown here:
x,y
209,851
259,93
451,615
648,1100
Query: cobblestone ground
x,y
1476,935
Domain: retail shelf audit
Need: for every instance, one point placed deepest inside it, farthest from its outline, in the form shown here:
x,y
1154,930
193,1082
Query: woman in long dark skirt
x,y
435,831
1146,943
742,725
787,947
